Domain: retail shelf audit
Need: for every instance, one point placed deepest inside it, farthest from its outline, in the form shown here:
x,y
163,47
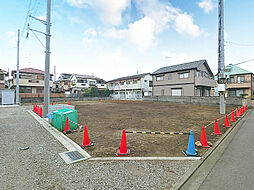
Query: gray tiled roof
x,y
129,77
182,67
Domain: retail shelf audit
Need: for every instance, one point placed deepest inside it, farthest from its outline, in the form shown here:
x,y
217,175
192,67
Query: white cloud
x,y
172,58
10,33
89,34
157,17
12,38
184,25
207,5
41,18
141,32
109,10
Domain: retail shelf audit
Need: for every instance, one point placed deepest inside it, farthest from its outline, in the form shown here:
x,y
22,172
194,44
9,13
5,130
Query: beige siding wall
x,y
187,90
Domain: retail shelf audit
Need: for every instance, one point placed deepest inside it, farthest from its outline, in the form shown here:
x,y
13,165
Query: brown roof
x,y
30,70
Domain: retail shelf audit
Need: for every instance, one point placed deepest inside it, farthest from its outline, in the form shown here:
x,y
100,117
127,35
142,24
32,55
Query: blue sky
x,y
114,38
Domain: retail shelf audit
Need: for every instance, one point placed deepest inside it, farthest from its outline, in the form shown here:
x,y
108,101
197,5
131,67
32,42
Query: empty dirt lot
x,y
105,122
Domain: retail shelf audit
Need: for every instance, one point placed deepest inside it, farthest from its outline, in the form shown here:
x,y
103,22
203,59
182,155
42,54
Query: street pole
x,y
17,73
47,64
221,59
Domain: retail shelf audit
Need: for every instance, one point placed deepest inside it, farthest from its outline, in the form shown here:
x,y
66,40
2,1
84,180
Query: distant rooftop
x,y
129,77
80,76
30,70
235,70
183,66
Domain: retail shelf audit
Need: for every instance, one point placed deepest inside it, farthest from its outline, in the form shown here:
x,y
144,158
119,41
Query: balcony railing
x,y
238,82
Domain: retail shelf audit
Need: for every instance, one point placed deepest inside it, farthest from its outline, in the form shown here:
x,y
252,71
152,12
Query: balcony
x,y
204,81
239,84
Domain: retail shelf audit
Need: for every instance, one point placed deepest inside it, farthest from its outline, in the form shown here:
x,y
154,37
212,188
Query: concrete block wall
x,y
194,100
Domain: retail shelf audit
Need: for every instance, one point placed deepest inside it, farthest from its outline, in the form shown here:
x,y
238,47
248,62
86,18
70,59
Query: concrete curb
x,y
63,139
229,133
143,158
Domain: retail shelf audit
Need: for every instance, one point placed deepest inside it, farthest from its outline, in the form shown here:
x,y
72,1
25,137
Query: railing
x,y
238,82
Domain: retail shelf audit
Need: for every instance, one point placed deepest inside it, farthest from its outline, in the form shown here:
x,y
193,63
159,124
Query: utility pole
x,y
17,73
47,63
221,59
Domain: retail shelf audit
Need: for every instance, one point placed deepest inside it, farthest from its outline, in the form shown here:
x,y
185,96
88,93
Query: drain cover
x,y
71,157
75,155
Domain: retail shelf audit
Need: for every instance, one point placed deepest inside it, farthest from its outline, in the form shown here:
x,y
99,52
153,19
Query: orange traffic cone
x,y
203,139
237,115
226,123
232,116
86,141
101,101
123,150
216,130
52,103
67,127
246,107
40,112
240,112
69,103
243,109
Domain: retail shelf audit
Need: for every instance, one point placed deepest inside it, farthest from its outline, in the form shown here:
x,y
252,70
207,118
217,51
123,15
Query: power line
x,y
244,62
27,17
239,44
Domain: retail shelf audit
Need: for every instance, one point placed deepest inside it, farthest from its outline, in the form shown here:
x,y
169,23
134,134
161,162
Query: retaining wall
x,y
195,100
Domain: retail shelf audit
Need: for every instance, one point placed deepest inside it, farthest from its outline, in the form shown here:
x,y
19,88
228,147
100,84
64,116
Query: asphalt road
x,y
235,168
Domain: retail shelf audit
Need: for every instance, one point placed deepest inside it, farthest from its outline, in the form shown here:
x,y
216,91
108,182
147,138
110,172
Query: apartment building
x,y
80,82
30,80
239,82
63,84
187,79
131,87
3,75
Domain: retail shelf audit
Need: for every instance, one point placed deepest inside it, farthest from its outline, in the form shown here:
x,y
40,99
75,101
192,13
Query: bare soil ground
x,y
105,122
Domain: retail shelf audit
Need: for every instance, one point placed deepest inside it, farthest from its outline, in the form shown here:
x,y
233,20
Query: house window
x,y
184,75
1,76
150,83
198,92
198,74
207,92
206,74
170,76
162,92
240,79
232,80
176,92
121,83
135,82
145,80
158,78
128,82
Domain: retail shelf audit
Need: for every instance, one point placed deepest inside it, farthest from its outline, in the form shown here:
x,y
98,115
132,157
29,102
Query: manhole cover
x,y
71,157
75,155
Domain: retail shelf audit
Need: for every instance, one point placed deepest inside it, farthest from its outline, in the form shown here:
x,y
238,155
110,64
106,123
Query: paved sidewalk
x,y
235,168
40,167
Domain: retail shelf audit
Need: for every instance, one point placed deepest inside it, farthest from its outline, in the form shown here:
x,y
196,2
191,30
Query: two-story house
x,y
131,87
2,78
30,80
239,81
63,84
187,79
80,82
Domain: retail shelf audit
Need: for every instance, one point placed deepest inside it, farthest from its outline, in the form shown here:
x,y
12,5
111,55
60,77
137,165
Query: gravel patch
x,y
40,166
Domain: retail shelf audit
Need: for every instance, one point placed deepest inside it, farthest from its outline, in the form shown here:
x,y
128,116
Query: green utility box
x,y
59,119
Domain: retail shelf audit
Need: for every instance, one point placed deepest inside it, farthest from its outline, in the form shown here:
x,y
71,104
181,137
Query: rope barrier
x,y
157,133
218,119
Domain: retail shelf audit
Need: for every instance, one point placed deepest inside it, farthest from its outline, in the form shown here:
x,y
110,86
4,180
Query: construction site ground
x,y
106,120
